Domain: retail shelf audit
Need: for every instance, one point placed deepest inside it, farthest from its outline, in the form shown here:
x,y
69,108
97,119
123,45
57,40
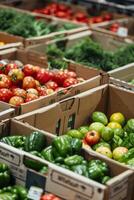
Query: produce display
x,y
90,53
65,151
7,189
113,138
64,11
28,25
21,83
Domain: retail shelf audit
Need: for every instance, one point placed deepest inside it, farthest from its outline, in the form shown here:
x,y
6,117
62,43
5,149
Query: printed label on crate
x,y
119,190
85,191
9,156
19,172
122,31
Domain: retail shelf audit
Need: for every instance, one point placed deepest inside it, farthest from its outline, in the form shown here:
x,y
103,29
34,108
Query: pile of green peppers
x,y
8,192
64,151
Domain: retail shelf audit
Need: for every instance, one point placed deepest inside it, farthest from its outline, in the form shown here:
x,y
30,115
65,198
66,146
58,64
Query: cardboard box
x,y
127,23
63,182
39,39
6,111
92,78
76,111
9,41
122,76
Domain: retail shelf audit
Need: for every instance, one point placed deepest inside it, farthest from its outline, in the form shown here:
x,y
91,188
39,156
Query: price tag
x,y
122,31
34,193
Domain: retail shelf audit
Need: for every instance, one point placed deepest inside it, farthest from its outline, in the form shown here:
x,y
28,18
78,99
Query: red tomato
x,y
31,97
49,197
71,74
51,85
5,81
42,90
10,66
69,81
98,19
80,16
43,76
113,29
5,94
28,82
37,83
28,70
32,91
115,25
36,69
16,101
92,137
19,92
107,17
60,14
16,75
46,11
60,76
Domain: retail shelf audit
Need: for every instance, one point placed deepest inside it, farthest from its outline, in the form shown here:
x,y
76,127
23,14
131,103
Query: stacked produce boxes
x,y
66,102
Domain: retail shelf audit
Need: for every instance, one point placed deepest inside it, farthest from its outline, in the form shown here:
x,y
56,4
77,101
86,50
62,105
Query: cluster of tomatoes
x,y
114,27
22,84
66,12
49,197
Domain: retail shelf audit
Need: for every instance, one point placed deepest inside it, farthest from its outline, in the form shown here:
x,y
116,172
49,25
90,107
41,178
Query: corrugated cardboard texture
x,y
76,111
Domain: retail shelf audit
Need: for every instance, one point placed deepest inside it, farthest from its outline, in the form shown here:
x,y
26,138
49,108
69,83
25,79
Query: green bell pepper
x,y
76,145
129,127
131,162
15,141
8,196
75,134
73,160
105,179
44,170
36,141
47,154
21,192
80,169
4,175
128,156
61,146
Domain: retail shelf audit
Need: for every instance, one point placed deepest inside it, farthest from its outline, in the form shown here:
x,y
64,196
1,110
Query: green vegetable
x,y
59,160
105,179
75,134
15,141
80,169
97,169
7,196
32,164
101,144
36,141
44,170
21,192
129,127
61,146
4,175
73,160
131,162
128,156
76,145
99,117
47,154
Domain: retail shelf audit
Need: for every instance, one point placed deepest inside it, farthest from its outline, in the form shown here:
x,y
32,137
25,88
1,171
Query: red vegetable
x,y
5,94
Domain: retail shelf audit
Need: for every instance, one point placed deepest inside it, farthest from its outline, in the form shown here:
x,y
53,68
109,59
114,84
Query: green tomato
x,y
96,126
75,134
84,130
107,133
104,151
99,117
119,152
